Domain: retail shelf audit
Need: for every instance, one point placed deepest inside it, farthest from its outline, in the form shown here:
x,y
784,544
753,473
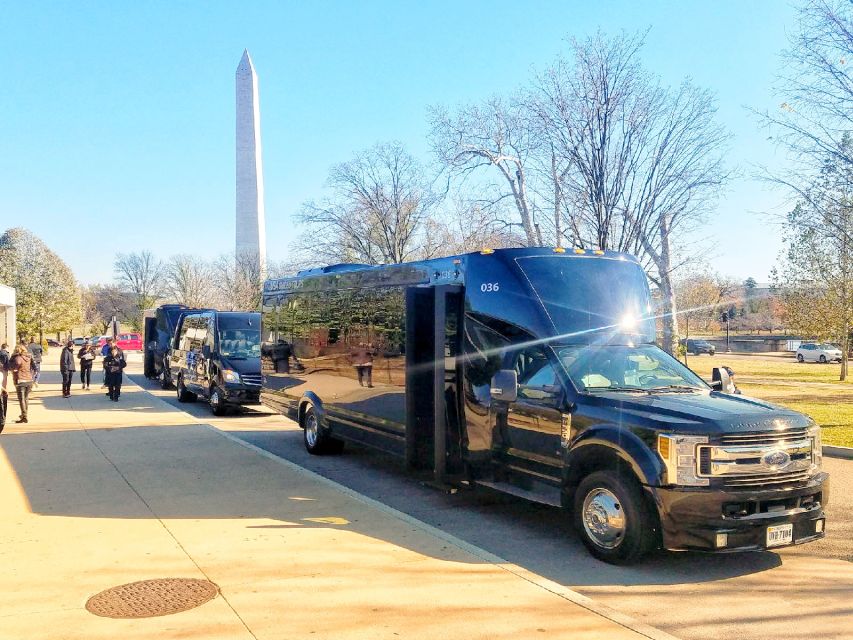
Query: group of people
x,y
114,364
23,366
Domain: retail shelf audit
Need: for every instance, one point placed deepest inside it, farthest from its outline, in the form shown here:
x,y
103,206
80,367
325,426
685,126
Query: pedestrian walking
x,y
36,353
21,366
362,360
67,368
105,351
86,356
4,375
114,363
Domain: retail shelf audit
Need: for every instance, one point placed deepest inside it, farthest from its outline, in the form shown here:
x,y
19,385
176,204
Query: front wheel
x,y
612,518
317,440
183,394
216,404
823,359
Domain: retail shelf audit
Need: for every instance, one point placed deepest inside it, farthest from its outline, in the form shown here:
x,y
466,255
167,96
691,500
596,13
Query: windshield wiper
x,y
617,388
236,357
673,388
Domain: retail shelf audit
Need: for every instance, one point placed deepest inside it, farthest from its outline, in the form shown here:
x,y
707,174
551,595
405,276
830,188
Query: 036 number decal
x,y
487,287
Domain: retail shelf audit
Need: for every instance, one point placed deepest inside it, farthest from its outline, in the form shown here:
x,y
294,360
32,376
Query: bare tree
x,y
816,116
495,136
376,213
102,302
239,282
188,281
140,273
632,162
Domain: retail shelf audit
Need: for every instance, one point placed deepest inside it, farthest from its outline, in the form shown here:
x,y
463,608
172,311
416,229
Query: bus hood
x,y
242,365
701,412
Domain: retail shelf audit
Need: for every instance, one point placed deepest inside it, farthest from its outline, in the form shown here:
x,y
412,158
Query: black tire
x,y
217,405
166,377
183,394
317,440
800,358
618,499
822,359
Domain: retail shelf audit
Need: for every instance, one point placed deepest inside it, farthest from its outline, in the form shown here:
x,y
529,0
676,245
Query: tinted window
x,y
585,295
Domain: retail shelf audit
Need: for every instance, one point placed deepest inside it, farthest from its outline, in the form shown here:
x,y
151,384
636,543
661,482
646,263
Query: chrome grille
x,y
756,460
761,480
251,378
764,439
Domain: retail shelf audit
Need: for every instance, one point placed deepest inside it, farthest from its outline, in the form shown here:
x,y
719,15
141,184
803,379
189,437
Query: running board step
x,y
549,496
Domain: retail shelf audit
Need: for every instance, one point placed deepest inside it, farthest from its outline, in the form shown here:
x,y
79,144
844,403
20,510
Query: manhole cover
x,y
150,598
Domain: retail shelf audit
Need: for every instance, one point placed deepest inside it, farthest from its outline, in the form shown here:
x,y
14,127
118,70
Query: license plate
x,y
780,534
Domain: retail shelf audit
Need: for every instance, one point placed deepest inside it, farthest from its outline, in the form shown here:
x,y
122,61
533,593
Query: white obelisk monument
x,y
251,232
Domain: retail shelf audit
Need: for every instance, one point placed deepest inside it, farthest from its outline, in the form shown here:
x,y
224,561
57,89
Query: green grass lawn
x,y
830,404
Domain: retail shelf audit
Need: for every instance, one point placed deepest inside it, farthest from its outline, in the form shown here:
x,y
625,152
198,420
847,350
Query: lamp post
x,y
726,320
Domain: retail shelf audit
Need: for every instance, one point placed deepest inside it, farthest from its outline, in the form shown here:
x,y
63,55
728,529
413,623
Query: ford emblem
x,y
776,459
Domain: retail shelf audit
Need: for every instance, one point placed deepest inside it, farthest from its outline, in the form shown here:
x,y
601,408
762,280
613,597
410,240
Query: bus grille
x,y
251,378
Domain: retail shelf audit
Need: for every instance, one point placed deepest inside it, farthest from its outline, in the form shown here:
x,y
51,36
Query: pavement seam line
x,y
159,519
557,589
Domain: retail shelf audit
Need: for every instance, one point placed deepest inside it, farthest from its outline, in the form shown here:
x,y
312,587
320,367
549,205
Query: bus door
x,y
433,335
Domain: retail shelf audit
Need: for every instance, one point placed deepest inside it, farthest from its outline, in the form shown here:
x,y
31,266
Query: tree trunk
x,y
558,192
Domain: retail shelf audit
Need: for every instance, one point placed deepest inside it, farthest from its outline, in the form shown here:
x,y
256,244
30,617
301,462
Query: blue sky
x,y
117,119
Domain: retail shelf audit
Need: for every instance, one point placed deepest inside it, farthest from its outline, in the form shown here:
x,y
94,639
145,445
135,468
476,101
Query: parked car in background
x,y
53,343
78,342
818,352
129,341
697,347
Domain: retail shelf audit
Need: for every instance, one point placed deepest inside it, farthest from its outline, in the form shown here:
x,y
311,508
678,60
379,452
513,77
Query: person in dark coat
x,y
36,353
21,366
4,375
362,360
86,356
67,368
114,363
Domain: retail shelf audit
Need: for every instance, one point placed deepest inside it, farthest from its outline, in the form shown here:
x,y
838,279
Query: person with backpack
x,y
67,368
114,363
21,366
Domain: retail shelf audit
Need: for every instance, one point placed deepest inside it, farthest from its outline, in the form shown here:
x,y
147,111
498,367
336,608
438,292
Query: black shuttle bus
x,y
217,355
535,371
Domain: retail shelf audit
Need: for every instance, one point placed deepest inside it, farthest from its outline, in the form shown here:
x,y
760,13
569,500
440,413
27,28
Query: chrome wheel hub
x,y
603,518
214,398
311,430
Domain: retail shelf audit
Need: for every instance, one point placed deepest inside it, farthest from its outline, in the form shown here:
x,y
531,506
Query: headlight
x,y
230,376
679,457
817,451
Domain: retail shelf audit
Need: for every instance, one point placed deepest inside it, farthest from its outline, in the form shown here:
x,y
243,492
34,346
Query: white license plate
x,y
780,534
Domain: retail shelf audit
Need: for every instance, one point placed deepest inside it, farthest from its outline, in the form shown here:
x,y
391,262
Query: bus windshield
x,y
586,296
596,368
240,343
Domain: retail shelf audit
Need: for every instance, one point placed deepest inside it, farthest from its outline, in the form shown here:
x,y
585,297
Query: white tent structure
x,y
7,315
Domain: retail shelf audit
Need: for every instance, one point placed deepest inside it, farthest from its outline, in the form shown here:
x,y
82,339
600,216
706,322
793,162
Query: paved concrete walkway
x,y
97,494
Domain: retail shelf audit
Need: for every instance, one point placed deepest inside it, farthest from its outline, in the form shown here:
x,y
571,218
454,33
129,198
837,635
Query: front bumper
x,y
692,518
240,394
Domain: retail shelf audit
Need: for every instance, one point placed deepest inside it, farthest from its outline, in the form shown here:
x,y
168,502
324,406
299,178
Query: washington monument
x,y
251,232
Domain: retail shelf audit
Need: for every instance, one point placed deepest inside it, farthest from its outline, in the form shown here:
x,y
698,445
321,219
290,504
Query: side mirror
x,y
721,381
504,386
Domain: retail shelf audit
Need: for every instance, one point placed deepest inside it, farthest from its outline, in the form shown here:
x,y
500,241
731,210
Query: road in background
x,y
798,593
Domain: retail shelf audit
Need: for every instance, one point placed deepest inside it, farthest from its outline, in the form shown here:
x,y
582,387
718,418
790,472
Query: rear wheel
x,y
612,518
216,403
317,440
166,377
799,357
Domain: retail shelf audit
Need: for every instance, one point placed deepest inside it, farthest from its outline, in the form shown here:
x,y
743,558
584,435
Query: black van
x,y
217,355
535,371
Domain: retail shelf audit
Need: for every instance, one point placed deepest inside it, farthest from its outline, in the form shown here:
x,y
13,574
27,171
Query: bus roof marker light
x,y
580,251
487,252
598,252
559,250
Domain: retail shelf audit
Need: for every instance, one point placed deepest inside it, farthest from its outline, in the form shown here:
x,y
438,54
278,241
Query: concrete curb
x,y
549,585
831,451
